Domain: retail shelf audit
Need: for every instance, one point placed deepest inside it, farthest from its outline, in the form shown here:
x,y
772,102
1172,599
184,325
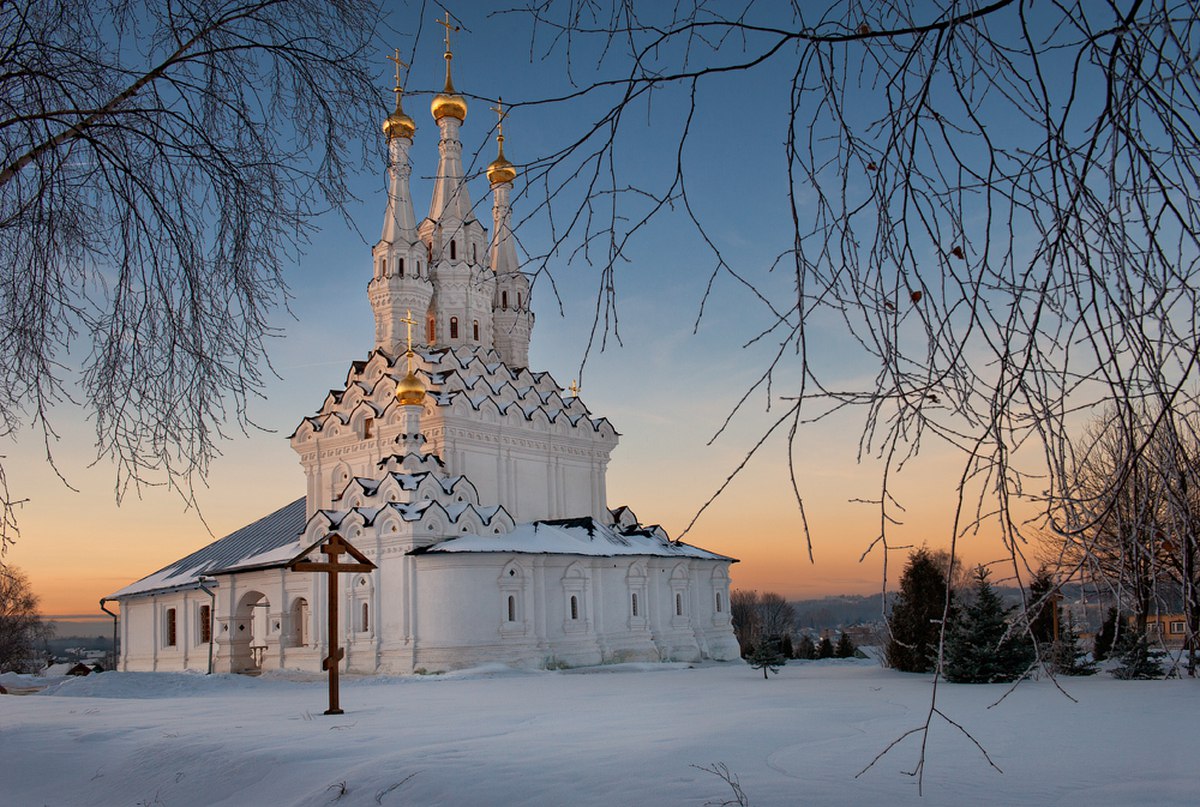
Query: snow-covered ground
x,y
620,735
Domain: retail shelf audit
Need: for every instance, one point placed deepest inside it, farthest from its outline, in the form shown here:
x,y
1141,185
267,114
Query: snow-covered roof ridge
x,y
256,544
573,536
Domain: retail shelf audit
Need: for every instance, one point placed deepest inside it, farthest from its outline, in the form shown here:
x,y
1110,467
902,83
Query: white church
x,y
474,484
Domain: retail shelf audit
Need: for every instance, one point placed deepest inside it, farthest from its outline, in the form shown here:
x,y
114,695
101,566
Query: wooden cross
x,y
446,24
331,546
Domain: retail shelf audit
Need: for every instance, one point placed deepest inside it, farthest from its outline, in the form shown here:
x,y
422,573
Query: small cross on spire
x,y
409,323
399,64
449,27
574,388
501,114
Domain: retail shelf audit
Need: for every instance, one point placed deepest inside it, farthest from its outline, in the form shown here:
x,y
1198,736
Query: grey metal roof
x,y
278,529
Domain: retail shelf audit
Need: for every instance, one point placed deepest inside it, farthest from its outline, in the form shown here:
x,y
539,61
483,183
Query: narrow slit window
x,y
365,625
718,602
170,638
453,327
475,329
634,604
574,607
519,303
504,299
512,608
678,605
431,331
453,250
205,624
383,267
400,267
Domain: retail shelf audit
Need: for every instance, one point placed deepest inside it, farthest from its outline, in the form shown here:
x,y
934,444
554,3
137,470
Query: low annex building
x,y
476,486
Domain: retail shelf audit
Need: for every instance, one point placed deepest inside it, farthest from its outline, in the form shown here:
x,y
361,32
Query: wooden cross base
x,y
331,546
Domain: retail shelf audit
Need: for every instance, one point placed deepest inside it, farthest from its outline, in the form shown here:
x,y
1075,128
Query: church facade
x,y
475,485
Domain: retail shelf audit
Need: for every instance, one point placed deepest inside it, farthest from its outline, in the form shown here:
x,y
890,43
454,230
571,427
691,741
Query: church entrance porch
x,y
249,629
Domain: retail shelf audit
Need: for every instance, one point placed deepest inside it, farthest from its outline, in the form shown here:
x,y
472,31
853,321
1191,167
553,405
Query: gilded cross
x,y
574,388
501,115
399,64
449,27
409,322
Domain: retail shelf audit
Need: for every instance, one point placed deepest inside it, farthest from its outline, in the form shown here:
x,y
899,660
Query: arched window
x,y
475,329
453,249
401,267
678,605
431,331
634,603
512,608
574,607
205,620
504,299
364,623
453,327
169,628
474,253
519,300
383,267
418,268
299,621
718,602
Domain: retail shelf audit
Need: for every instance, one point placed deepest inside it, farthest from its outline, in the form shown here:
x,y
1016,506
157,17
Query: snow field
x,y
619,735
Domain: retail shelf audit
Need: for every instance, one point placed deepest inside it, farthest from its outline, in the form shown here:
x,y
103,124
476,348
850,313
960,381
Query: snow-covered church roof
x,y
271,540
574,536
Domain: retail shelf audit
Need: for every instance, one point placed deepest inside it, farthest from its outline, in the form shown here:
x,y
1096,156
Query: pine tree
x,y
785,646
916,617
1105,638
805,649
845,646
1067,657
825,648
979,647
1137,659
1042,608
766,657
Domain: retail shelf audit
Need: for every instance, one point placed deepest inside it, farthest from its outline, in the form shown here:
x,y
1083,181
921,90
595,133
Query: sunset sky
x,y
664,388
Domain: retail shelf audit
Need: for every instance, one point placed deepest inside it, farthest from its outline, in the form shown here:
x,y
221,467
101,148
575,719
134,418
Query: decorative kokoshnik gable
x,y
474,485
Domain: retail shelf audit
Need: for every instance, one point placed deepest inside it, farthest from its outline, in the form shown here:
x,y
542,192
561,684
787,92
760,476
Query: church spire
x,y
399,221
512,319
451,201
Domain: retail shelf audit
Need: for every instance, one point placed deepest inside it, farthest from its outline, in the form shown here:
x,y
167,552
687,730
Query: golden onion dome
x,y
501,170
398,124
449,105
410,391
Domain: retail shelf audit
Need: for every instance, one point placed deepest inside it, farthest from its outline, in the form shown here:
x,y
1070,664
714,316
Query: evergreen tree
x,y
916,615
785,646
1067,657
1042,608
1137,659
805,649
1105,638
845,646
825,648
979,647
766,657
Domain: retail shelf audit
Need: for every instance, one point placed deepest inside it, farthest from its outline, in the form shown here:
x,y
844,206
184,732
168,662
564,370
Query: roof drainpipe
x,y
104,608
212,616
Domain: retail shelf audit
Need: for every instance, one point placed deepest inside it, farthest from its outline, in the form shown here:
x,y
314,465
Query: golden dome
x,y
398,124
448,103
501,170
410,391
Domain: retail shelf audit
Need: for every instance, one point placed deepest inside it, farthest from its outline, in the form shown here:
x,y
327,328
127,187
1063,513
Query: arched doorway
x,y
249,629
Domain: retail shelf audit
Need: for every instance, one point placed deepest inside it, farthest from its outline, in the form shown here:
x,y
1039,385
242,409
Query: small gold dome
x,y
399,125
501,170
410,391
449,105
